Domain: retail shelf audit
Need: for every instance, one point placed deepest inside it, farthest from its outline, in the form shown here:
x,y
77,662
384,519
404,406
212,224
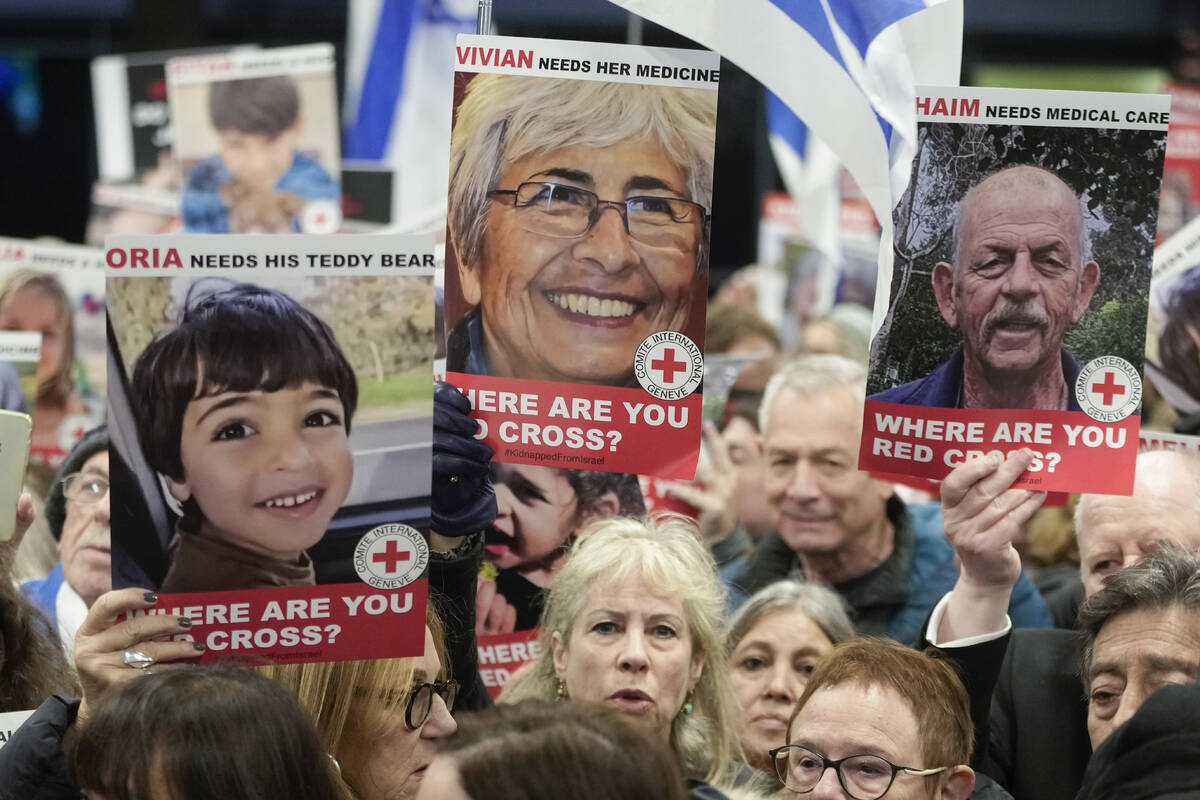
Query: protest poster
x,y
1014,315
1160,440
578,334
1173,326
58,291
130,210
1180,200
502,654
256,140
540,510
271,416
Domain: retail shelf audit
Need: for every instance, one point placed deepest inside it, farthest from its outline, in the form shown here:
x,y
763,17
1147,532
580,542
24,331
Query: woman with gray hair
x,y
773,641
558,288
633,622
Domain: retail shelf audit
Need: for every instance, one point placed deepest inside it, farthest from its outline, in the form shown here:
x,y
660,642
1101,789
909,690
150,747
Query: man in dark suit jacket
x,y
1027,693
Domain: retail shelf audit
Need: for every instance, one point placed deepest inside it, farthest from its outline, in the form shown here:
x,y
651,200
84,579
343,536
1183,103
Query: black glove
x,y
463,500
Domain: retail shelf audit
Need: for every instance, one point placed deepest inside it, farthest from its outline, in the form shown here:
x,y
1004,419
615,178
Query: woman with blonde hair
x,y
633,622
36,301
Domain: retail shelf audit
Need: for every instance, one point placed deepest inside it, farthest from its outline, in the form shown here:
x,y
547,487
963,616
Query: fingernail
x,y
150,597
185,622
198,646
995,459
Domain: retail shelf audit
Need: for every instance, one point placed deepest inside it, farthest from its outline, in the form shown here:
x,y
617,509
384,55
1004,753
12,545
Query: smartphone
x,y
15,432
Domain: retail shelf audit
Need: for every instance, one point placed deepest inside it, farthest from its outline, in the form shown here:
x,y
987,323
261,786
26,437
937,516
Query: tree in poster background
x,y
1118,172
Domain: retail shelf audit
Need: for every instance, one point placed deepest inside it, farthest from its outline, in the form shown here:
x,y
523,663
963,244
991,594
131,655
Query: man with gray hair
x,y
559,288
1033,726
840,526
1021,275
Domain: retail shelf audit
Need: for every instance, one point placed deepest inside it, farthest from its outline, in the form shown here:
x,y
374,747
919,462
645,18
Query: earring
x,y
688,707
560,693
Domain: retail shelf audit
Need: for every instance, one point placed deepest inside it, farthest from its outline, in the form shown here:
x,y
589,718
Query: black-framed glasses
x,y
85,487
863,776
567,212
420,702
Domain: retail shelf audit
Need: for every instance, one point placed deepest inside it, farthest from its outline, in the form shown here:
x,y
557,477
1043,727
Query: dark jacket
x,y
32,764
894,598
1029,710
942,388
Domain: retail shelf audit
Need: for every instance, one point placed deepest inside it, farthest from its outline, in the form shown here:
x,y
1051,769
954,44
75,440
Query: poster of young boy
x,y
257,140
1173,328
577,250
1014,315
58,291
19,355
271,438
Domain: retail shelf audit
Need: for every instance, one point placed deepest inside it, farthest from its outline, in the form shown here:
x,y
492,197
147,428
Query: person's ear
x,y
958,784
559,650
943,290
180,490
1089,279
696,671
468,279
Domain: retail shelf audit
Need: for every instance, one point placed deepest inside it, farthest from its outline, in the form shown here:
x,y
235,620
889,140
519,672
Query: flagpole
x,y
483,24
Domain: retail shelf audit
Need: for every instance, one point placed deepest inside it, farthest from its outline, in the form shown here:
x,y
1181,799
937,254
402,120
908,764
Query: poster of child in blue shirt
x,y
271,118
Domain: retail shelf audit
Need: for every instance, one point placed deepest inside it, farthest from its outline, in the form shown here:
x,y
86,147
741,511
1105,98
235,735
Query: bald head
x,y
1015,180
1114,532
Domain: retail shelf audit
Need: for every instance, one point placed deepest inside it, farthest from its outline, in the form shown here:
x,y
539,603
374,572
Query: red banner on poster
x,y
575,426
929,442
502,654
297,624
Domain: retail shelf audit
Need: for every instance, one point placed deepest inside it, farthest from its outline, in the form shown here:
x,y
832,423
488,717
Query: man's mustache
x,y
1029,314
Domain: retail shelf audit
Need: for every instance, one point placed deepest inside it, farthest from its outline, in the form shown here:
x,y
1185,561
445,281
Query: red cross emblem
x,y
1109,389
391,557
667,365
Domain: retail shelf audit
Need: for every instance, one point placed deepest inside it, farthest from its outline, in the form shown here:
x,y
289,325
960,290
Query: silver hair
x,y
820,603
1085,240
814,374
507,117
1166,577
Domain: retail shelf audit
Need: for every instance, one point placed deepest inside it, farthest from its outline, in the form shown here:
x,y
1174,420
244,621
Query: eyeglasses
x,y
420,702
85,487
568,212
862,776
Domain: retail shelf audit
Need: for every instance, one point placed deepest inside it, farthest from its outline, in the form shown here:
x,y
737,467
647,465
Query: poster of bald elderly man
x,y
577,248
1014,313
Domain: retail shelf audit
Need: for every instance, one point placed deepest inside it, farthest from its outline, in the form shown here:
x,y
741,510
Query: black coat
x,y
1029,709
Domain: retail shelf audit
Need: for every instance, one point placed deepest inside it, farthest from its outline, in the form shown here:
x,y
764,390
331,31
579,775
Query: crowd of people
x,y
865,647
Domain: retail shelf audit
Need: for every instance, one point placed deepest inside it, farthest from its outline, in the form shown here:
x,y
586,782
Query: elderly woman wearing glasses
x,y
578,213
633,622
878,719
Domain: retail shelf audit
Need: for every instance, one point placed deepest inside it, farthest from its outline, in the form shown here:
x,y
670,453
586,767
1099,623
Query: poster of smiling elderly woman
x,y
1015,313
577,257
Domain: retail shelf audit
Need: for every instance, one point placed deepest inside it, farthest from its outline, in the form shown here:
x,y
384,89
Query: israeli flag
x,y
846,68
399,90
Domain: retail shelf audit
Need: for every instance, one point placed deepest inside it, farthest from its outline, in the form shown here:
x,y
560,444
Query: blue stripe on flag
x,y
809,15
781,122
368,138
862,22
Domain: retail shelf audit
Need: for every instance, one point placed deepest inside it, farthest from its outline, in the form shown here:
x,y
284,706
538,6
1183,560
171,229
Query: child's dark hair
x,y
254,105
240,338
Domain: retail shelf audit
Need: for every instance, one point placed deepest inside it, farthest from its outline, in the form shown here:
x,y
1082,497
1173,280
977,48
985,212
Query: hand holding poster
x,y
257,140
577,333
1014,316
271,438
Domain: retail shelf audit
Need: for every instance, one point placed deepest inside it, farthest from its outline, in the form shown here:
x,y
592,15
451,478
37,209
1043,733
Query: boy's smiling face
x,y
258,160
268,469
